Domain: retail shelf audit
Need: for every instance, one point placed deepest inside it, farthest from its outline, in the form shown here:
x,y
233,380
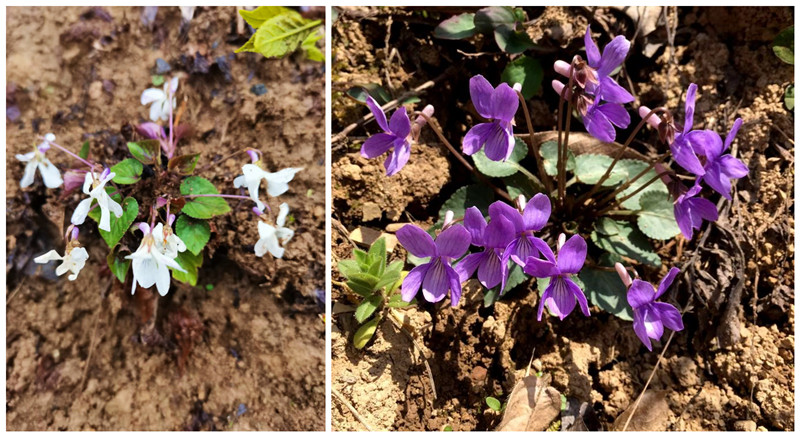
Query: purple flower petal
x,y
686,221
691,95
377,112
505,103
640,330
400,125
598,125
476,137
467,266
616,114
732,134
592,52
377,145
652,323
614,54
481,91
499,208
536,212
663,286
540,268
684,155
416,241
704,142
545,296
572,255
561,301
732,167
544,249
398,158
640,293
455,285
579,296
475,223
413,281
453,241
669,315
524,249
612,92
436,282
498,233
499,142
490,271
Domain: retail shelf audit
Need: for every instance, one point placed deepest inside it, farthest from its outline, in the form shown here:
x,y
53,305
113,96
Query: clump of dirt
x,y
255,354
474,351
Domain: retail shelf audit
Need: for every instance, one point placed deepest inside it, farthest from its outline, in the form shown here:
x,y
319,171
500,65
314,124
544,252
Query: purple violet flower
x,y
719,169
600,120
394,137
650,317
614,54
562,293
690,211
493,237
436,277
683,146
498,105
533,218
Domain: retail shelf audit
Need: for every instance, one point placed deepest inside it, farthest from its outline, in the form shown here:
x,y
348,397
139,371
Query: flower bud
x,y
623,274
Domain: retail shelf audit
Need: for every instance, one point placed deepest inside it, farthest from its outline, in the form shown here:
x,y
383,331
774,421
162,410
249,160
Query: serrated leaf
x,y
190,262
783,45
456,27
146,151
549,152
184,164
84,153
633,167
118,265
259,15
499,169
511,40
283,34
127,171
193,232
527,72
368,307
119,225
488,19
313,53
202,207
589,168
479,196
365,333
623,239
605,290
657,217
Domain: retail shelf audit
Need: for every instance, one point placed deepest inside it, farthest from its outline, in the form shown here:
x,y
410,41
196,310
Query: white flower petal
x,y
87,182
105,215
26,157
50,174
151,95
163,280
81,211
47,257
146,271
30,172
155,111
173,84
237,182
115,207
283,212
278,183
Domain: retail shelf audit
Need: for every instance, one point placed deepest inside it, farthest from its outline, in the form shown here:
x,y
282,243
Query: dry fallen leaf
x,y
582,142
651,414
532,406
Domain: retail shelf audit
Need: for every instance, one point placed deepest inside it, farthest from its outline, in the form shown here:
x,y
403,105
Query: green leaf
x,y
396,301
368,307
146,151
184,164
377,253
456,27
605,290
374,90
249,46
493,403
84,153
194,233
589,168
118,264
157,80
521,184
549,152
516,276
783,46
258,16
511,40
361,257
119,225
127,171
190,262
202,207
623,239
348,267
657,218
479,196
788,97
527,72
283,34
313,53
365,333
488,19
633,167
501,169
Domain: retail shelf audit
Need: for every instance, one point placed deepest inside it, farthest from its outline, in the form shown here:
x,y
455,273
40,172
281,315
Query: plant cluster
x,y
609,194
155,201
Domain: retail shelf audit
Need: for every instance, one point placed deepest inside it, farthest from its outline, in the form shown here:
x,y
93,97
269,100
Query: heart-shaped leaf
x,y
190,262
456,27
623,239
589,168
525,71
202,207
193,232
499,169
657,217
184,164
127,171
146,151
119,225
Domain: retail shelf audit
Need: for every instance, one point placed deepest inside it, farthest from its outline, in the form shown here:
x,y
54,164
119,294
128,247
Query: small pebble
x,y
258,89
162,66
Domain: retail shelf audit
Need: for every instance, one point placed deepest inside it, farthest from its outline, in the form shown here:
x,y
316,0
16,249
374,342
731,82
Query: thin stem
x,y
533,148
649,379
631,181
619,201
563,158
212,164
89,164
171,150
227,196
563,146
435,126
618,156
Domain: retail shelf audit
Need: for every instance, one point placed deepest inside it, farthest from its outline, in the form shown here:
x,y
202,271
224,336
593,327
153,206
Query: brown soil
x,y
75,357
720,373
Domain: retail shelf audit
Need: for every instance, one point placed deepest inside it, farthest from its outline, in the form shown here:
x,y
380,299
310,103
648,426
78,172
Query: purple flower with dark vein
x,y
532,219
719,169
683,146
498,105
690,211
562,293
395,137
436,277
493,237
650,317
614,54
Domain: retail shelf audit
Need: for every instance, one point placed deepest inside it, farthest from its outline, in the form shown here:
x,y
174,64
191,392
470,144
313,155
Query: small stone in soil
x,y
162,66
258,89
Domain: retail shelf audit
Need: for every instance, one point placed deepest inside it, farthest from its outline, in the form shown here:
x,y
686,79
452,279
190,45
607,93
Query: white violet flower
x,y
152,260
272,237
171,244
73,260
277,183
36,159
160,100
95,186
